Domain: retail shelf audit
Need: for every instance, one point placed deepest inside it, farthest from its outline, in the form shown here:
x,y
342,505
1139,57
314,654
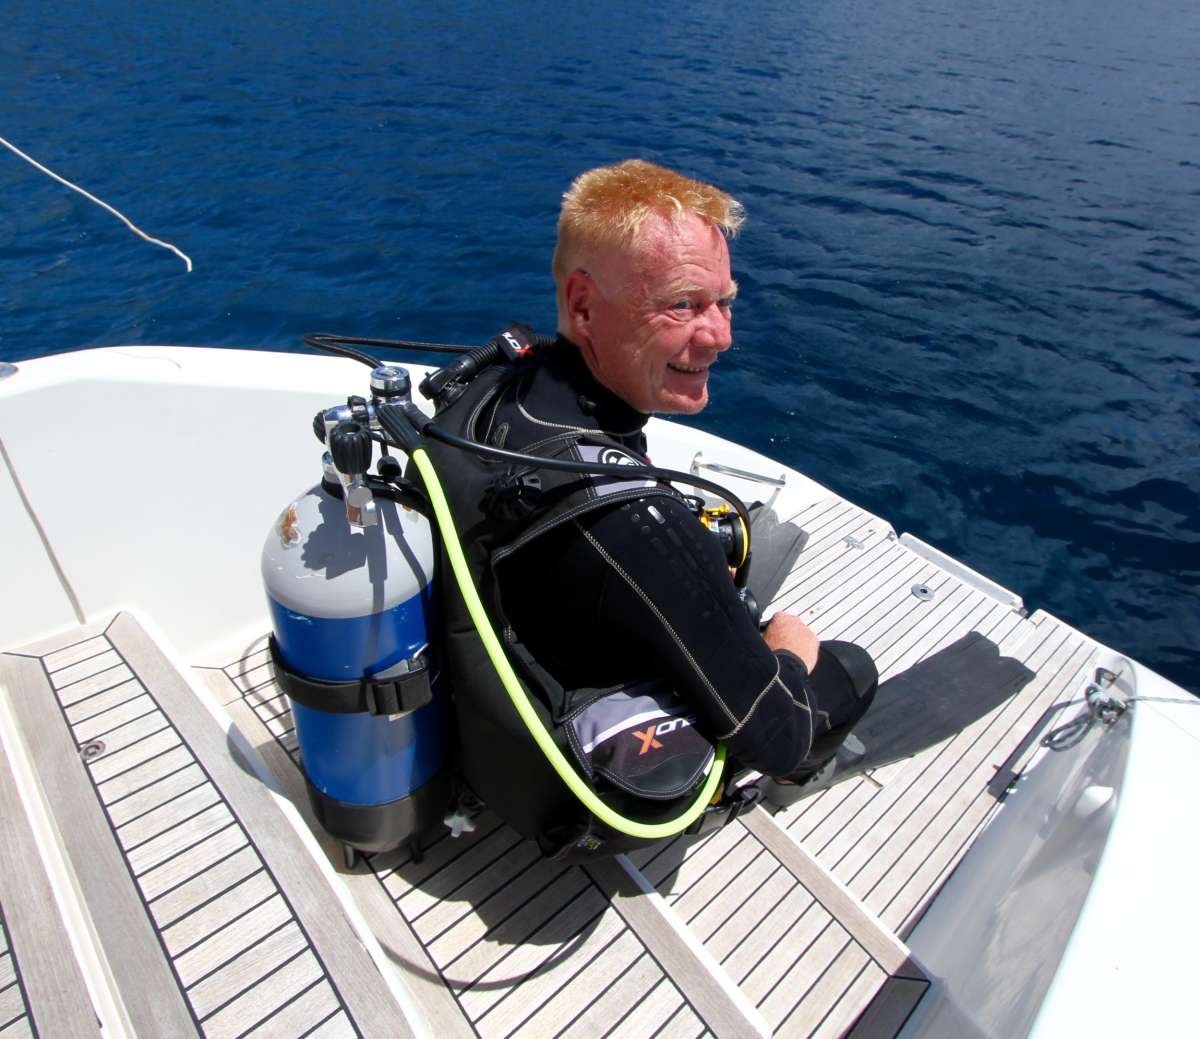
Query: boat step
x,y
780,925
200,909
42,990
785,936
529,947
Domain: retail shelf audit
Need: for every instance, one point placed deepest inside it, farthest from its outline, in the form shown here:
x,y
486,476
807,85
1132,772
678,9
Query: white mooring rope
x,y
104,205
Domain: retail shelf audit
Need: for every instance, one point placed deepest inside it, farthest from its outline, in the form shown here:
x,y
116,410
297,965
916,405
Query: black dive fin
x,y
930,702
776,547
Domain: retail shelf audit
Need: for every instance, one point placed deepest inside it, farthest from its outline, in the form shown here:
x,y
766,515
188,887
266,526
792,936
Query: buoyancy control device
x,y
348,570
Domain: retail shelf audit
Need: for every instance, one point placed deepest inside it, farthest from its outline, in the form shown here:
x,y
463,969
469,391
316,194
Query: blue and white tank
x,y
348,602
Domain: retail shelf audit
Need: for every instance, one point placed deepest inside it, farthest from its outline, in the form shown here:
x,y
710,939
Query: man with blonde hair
x,y
645,297
608,584
652,242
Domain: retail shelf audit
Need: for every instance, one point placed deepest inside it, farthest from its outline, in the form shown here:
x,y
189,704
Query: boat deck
x,y
153,879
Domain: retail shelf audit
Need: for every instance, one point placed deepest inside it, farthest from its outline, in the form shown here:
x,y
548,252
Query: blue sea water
x,y
968,280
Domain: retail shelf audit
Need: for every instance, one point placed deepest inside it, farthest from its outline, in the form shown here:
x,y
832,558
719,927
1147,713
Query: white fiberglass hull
x,y
145,478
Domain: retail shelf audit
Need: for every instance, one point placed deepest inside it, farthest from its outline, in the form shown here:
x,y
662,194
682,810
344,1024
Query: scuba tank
x,y
347,570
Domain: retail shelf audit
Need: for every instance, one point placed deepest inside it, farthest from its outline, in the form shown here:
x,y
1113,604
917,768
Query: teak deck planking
x,y
783,925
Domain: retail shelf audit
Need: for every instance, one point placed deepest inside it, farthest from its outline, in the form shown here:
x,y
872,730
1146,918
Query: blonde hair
x,y
605,208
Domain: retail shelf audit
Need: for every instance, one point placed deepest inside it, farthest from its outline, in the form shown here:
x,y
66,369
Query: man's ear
x,y
577,296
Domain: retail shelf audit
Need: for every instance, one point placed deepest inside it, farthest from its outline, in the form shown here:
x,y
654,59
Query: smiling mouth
x,y
686,370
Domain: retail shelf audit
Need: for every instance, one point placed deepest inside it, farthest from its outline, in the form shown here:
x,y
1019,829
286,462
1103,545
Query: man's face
x,y
657,316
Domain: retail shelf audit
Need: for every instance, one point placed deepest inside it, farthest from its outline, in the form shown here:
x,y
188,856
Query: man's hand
x,y
789,632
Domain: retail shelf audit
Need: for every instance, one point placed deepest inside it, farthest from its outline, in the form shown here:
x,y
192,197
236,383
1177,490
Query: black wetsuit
x,y
641,590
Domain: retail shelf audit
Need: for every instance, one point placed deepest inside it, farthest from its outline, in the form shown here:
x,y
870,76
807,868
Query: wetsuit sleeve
x,y
665,596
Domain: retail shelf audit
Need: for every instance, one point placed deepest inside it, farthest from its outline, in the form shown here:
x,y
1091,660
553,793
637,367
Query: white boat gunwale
x,y
227,466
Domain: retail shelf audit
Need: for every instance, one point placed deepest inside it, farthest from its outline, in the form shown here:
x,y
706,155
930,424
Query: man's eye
x,y
682,304
725,304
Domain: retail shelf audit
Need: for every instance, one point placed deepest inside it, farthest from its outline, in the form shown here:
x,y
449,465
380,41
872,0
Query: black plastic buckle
x,y
399,693
725,811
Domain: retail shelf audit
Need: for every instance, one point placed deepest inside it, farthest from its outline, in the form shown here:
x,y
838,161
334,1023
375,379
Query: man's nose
x,y
717,333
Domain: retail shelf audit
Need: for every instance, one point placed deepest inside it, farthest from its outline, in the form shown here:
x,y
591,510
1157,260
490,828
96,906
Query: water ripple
x,y
966,277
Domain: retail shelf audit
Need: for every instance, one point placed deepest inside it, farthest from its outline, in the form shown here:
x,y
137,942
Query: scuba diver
x,y
607,590
609,682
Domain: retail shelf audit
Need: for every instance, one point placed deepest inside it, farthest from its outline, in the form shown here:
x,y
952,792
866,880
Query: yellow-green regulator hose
x,y
516,693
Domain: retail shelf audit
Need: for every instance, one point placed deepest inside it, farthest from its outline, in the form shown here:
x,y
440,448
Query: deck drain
x,y
91,750
922,592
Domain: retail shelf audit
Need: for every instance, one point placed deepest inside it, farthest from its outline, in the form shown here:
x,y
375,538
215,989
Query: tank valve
x,y
350,447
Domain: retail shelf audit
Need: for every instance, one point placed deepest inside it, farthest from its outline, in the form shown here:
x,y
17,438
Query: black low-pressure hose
x,y
430,429
504,345
342,345
462,369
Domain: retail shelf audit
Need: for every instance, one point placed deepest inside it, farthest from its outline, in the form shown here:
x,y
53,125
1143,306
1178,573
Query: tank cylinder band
x,y
393,695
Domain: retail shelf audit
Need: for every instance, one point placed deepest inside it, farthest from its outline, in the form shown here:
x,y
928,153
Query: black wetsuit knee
x,y
842,686
859,667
